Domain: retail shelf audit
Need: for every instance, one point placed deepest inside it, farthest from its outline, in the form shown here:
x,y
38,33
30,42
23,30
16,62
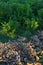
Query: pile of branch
x,y
19,53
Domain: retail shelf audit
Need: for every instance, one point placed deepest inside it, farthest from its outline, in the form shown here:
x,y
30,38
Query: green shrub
x,y
32,25
26,17
10,28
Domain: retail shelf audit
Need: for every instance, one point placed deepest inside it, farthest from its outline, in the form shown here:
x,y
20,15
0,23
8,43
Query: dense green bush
x,y
20,17
10,29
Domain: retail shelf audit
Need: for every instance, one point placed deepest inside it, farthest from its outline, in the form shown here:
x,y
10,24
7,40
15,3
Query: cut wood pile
x,y
20,53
